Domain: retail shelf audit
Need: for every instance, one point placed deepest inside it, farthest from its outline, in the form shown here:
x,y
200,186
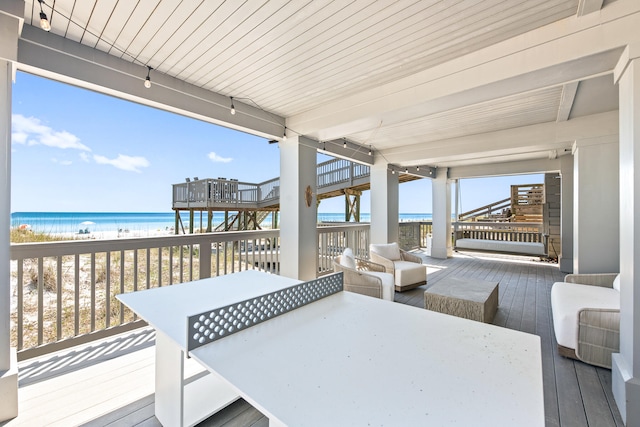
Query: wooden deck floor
x,y
110,383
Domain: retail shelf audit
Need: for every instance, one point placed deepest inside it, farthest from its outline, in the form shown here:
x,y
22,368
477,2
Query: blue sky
x,y
75,150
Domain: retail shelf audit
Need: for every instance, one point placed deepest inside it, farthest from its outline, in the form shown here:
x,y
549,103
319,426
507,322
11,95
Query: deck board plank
x,y
55,390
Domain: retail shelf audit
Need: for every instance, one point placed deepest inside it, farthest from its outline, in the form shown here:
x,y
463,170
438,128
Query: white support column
x,y
441,246
298,219
565,260
10,24
384,204
596,206
626,364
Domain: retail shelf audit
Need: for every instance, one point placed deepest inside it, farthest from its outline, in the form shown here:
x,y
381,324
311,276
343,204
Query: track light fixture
x,y
417,168
284,134
44,22
233,108
370,152
393,171
344,144
406,170
147,81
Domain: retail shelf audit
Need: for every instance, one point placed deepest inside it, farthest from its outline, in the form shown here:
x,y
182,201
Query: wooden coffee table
x,y
468,298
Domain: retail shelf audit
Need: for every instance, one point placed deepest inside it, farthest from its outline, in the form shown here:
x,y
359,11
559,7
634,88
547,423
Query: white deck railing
x,y
529,232
223,193
63,293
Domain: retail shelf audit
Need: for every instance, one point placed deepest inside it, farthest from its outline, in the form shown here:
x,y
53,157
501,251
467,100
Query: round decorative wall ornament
x,y
308,196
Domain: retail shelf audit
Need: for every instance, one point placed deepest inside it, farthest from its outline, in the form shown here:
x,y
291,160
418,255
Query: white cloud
x,y
31,131
62,162
84,157
218,159
127,163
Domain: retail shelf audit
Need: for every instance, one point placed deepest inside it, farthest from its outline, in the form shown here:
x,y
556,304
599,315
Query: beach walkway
x,y
111,382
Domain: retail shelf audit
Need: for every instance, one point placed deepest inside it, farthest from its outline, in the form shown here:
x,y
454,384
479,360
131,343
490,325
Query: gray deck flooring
x,y
56,390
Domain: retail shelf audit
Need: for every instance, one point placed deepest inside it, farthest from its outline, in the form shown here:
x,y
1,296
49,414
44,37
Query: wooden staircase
x,y
527,202
525,205
244,220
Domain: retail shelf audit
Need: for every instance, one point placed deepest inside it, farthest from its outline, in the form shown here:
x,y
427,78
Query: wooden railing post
x,y
205,260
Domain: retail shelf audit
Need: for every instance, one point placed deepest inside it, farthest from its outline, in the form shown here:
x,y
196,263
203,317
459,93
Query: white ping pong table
x,y
310,354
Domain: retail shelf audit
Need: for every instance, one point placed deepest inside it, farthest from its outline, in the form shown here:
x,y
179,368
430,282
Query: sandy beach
x,y
107,235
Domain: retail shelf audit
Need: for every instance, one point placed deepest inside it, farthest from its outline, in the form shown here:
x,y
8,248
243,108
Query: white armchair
x,y
586,317
364,277
407,269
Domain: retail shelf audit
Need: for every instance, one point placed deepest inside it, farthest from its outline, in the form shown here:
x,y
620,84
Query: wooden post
x,y
352,204
209,220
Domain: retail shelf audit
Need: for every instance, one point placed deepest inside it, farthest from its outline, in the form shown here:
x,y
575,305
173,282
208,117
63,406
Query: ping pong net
x,y
215,324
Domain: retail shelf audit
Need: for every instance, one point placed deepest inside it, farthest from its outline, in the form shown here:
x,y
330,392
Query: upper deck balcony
x,y
333,177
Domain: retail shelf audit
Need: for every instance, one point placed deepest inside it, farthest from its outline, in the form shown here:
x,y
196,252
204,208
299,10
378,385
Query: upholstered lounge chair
x,y
408,271
364,277
586,317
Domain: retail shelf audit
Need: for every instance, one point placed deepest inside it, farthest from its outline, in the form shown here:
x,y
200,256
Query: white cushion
x,y
388,290
386,250
616,283
347,259
408,272
567,299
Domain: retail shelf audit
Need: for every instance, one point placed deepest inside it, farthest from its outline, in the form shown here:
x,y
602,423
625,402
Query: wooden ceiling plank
x,y
318,39
134,22
311,27
99,17
153,33
182,31
114,25
248,31
220,29
377,60
199,41
264,37
342,80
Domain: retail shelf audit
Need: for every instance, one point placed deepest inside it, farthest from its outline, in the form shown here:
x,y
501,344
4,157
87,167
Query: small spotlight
x,y
406,170
284,134
393,172
233,108
344,144
417,168
370,152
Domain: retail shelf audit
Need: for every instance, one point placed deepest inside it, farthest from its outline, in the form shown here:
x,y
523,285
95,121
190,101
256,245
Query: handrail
x,y
485,210
223,193
64,292
501,231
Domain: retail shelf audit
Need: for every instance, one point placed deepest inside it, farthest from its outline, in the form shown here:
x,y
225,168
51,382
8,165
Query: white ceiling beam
x,y
340,148
566,51
569,91
54,57
586,7
506,168
536,140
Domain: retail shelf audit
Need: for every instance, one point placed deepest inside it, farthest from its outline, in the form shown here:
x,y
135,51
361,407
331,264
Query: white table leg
x,y
169,398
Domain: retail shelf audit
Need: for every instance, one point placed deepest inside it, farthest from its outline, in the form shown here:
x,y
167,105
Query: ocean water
x,y
72,222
